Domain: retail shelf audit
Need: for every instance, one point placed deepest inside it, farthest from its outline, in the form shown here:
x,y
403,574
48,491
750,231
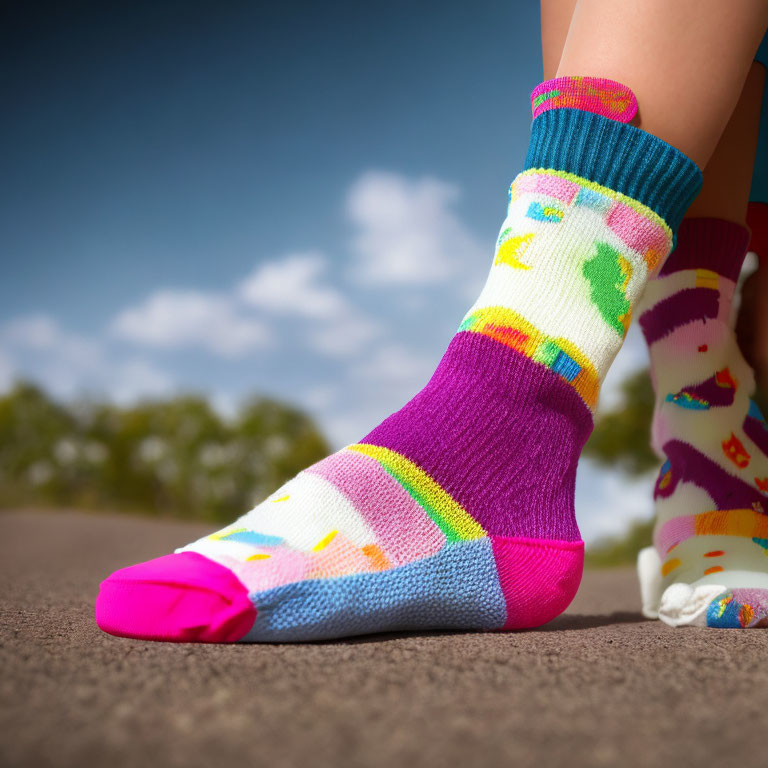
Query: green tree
x,y
621,439
174,456
622,435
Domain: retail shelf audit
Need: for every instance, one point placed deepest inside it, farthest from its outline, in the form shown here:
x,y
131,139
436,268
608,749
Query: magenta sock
x,y
591,94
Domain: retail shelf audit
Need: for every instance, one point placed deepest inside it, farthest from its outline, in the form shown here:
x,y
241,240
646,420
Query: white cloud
x,y
66,363
225,324
396,364
380,385
344,337
407,232
135,378
298,285
42,333
320,397
348,427
607,501
294,285
36,331
186,318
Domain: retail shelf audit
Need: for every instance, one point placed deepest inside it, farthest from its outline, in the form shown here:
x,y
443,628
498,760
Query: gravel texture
x,y
598,686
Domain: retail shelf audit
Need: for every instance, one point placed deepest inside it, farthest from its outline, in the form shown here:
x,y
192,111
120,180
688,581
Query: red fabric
x,y
757,221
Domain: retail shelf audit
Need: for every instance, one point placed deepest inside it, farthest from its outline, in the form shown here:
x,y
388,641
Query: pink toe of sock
x,y
179,598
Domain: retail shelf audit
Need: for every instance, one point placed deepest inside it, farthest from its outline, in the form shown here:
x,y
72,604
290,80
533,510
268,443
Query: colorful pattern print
x,y
592,94
438,518
393,511
386,516
594,276
370,527
712,506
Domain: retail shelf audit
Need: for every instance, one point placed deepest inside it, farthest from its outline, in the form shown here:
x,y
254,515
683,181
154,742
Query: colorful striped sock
x,y
708,566
457,511
592,94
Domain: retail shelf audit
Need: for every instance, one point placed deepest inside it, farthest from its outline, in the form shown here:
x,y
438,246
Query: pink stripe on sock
x,y
384,505
538,577
283,566
640,233
591,94
547,184
673,532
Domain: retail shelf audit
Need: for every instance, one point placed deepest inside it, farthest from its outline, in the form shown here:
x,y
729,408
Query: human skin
x,y
664,52
730,101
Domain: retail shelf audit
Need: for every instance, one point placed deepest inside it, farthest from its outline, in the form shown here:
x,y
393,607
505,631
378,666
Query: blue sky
x,y
297,199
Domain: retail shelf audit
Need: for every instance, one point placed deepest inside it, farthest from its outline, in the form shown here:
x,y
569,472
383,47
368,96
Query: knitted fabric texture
x,y
592,94
458,510
757,221
711,535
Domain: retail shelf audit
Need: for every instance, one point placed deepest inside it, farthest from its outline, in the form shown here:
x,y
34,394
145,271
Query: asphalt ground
x,y
598,686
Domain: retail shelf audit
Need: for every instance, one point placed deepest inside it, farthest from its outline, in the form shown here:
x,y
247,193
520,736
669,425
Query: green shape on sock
x,y
444,524
546,353
503,235
468,322
761,542
608,278
542,97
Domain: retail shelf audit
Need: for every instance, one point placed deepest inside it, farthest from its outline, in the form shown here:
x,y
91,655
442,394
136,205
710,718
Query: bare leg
x,y
664,52
555,21
727,177
728,174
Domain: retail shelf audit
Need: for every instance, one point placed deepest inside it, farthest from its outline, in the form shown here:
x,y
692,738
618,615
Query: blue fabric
x,y
618,156
458,588
762,52
759,191
251,537
724,616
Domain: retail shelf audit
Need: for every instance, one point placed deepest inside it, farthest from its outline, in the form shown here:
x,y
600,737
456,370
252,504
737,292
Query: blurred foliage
x,y
622,440
622,436
174,456
179,457
620,550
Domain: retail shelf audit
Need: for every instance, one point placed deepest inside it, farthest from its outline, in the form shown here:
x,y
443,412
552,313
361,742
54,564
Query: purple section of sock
x,y
714,394
691,466
714,244
500,433
681,308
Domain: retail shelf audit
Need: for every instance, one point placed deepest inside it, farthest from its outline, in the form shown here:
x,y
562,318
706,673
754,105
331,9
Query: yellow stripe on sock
x,y
325,541
447,513
706,278
512,329
224,532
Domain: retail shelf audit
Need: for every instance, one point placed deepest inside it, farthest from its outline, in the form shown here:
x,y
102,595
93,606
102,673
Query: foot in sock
x,y
457,511
708,566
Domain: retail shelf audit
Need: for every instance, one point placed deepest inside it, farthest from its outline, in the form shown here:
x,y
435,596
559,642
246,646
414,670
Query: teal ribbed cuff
x,y
618,156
